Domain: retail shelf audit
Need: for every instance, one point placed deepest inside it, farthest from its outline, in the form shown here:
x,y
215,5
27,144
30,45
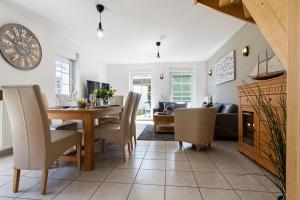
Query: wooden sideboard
x,y
253,136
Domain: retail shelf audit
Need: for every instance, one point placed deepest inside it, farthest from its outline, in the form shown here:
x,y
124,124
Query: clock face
x,y
20,47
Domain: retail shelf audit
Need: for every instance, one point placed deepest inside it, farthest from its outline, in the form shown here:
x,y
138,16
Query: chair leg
x,y
209,145
131,144
180,144
134,139
78,148
16,181
123,154
198,147
44,181
129,147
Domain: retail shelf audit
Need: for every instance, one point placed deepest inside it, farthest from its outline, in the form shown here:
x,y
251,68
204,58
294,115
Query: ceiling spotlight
x,y
158,55
99,32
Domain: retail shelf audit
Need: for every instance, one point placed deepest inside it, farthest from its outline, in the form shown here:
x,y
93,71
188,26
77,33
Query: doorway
x,y
141,83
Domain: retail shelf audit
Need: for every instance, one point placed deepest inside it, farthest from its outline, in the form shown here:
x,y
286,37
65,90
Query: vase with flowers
x,y
105,94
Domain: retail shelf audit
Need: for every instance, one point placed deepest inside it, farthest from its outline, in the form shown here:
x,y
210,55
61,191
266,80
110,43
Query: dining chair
x,y
65,125
133,121
119,133
35,147
116,100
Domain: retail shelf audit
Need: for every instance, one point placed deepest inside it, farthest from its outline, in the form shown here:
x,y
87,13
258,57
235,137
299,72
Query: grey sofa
x,y
161,106
226,127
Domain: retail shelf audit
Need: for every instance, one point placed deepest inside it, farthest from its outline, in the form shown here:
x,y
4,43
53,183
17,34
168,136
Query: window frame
x,y
191,84
71,64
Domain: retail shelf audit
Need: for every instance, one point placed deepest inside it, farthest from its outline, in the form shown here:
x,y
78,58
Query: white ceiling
x,y
131,28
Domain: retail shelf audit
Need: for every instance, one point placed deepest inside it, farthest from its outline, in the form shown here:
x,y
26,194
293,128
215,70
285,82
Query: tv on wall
x,y
92,85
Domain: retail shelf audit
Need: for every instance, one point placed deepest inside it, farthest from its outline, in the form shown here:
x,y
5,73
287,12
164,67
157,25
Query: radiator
x,y
5,133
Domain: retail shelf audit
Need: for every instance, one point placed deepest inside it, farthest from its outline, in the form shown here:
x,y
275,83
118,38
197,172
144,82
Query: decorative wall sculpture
x,y
224,70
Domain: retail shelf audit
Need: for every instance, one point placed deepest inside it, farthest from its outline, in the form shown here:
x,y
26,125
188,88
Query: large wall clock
x,y
20,47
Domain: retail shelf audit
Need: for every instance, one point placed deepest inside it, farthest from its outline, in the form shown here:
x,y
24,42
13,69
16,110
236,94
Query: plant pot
x,y
281,197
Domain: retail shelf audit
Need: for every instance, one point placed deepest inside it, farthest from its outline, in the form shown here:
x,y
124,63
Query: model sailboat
x,y
267,68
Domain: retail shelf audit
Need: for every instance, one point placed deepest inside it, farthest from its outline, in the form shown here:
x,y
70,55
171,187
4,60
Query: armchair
x,y
195,125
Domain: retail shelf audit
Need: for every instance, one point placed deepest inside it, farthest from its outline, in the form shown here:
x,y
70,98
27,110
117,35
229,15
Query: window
x,y
181,87
63,76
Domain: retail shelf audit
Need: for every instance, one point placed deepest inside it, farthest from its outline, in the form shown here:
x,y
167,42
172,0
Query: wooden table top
x,y
83,110
157,114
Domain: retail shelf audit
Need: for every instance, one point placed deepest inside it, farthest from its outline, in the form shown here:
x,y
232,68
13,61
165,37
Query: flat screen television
x,y
92,85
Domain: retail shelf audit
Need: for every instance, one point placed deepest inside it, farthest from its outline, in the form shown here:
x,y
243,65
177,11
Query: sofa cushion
x,y
161,106
169,105
229,108
180,105
218,106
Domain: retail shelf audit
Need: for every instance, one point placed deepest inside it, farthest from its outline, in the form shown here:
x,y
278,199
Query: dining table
x,y
88,116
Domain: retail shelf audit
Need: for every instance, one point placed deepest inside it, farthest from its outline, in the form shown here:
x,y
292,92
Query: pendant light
x,y
99,32
158,55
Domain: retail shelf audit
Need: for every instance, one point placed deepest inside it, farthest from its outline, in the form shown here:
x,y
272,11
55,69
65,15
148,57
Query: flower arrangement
x,y
81,103
105,94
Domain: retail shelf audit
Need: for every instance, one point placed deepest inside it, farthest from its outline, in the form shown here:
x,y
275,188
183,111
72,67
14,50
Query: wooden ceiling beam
x,y
234,9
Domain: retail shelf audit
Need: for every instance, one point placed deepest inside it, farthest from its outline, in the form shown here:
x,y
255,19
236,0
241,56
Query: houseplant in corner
x,y
275,124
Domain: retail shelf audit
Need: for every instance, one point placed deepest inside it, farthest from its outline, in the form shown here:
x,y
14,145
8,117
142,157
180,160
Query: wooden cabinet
x,y
253,135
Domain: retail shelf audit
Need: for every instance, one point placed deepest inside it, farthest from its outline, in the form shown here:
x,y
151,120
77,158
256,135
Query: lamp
x,y
161,76
99,32
245,51
158,55
210,72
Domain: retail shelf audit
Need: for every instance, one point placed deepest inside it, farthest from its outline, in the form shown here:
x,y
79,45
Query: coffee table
x,y
163,123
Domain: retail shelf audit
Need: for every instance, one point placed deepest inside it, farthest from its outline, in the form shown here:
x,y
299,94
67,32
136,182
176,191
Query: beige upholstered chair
x,y
66,125
119,133
117,100
35,147
195,125
133,124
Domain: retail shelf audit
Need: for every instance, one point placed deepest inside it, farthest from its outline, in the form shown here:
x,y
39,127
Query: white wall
x,y
247,35
119,77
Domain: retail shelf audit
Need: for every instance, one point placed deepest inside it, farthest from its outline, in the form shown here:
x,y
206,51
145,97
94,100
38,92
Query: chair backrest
x,y
117,100
134,110
126,116
29,126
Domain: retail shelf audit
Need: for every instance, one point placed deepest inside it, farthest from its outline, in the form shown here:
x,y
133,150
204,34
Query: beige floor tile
x,y
174,149
25,184
157,143
53,187
247,195
155,155
122,175
178,165
78,190
179,178
10,172
140,148
4,167
244,182
7,198
108,162
68,173
136,155
146,192
156,148
176,156
38,173
130,164
267,183
200,166
112,191
197,156
142,143
97,174
151,177
180,193
211,180
230,167
153,164
5,179
218,194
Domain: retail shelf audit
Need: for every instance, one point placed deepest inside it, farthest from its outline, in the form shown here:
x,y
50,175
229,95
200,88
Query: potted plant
x,y
81,103
275,124
105,94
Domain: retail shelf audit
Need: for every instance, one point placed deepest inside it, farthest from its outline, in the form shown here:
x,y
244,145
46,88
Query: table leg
x,y
89,128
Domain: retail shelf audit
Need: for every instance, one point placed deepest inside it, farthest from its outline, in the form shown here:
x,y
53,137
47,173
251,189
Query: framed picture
x,y
224,69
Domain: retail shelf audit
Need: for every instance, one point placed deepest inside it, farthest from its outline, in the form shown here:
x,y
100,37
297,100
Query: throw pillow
x,y
218,106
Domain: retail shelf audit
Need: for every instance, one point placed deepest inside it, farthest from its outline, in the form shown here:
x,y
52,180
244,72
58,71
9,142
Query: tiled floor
x,y
155,171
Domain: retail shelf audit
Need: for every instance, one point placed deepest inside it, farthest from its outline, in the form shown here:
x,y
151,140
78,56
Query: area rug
x,y
149,134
